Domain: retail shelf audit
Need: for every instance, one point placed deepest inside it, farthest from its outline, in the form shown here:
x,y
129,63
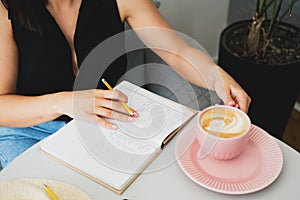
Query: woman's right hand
x,y
96,105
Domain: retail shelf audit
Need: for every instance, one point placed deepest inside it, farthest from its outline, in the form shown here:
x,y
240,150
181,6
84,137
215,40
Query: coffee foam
x,y
224,122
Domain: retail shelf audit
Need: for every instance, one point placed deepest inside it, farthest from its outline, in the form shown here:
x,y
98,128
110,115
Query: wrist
x,y
214,77
61,103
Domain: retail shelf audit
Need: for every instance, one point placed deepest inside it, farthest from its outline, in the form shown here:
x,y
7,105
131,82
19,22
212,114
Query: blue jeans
x,y
14,141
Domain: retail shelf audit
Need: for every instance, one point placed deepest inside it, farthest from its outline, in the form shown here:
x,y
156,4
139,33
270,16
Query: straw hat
x,y
33,189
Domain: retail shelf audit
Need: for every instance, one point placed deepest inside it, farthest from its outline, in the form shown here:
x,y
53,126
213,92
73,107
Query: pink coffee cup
x,y
223,132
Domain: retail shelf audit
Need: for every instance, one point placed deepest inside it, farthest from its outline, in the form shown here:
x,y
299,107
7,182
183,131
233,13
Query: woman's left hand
x,y
230,91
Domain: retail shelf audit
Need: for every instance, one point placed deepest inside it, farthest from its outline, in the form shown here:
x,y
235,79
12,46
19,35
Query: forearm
x,y
193,65
24,111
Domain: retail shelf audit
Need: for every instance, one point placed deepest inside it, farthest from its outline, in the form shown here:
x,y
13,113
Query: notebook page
x,y
114,156
66,145
113,148
158,116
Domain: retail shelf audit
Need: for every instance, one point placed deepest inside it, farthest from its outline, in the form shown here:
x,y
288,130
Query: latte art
x,y
225,123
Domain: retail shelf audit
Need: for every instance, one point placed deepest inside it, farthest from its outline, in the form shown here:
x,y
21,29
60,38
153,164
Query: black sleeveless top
x,y
45,58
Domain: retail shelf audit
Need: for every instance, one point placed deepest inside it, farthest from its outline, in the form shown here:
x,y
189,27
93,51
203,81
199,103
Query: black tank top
x,y
45,58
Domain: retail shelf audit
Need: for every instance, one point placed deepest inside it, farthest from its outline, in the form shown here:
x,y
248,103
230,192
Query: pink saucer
x,y
256,168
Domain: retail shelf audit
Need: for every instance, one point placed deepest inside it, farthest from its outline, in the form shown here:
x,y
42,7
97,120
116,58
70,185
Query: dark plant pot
x,y
272,88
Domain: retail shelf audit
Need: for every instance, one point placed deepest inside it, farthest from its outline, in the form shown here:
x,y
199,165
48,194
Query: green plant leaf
x,y
288,10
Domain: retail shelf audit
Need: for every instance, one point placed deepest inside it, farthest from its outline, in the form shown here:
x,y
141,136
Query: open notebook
x,y
116,158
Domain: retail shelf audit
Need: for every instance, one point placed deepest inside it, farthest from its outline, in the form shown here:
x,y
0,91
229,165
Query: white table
x,y
168,183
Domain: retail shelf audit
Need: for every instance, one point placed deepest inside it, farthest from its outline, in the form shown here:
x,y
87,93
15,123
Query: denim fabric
x,y
14,141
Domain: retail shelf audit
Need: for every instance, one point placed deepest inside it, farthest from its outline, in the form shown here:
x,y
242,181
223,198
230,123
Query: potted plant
x,y
263,55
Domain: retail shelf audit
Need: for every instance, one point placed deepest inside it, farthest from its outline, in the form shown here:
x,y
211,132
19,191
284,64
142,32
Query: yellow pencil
x,y
123,104
51,194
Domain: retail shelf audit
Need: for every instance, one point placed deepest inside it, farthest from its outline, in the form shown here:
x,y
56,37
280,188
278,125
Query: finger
x,y
113,94
117,106
230,98
242,100
111,114
135,113
106,124
245,103
231,103
113,105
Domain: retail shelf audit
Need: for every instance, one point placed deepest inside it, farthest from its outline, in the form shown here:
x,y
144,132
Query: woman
x,y
43,42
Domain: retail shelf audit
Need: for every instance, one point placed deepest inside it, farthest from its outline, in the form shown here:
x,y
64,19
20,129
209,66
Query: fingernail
x,y
135,114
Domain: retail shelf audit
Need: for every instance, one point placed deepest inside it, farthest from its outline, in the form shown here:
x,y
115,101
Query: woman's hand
x,y
96,105
230,91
